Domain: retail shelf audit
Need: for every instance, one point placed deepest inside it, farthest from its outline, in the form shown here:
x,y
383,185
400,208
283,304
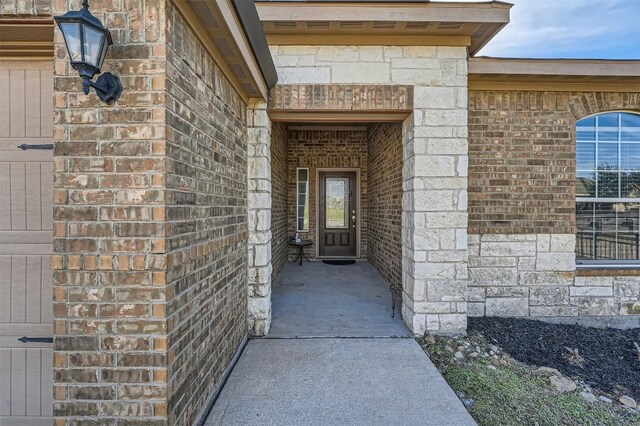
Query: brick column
x,y
109,263
259,210
435,198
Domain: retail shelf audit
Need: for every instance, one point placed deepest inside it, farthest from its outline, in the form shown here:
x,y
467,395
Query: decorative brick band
x,y
341,97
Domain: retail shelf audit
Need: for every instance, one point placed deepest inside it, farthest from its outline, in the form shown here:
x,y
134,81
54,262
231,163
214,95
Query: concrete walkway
x,y
302,374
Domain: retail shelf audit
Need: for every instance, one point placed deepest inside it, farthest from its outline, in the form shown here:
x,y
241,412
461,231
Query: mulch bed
x,y
610,359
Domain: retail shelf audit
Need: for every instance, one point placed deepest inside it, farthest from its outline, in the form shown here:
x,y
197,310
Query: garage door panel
x,y
17,83
46,195
18,382
5,288
46,298
5,119
18,294
33,198
18,196
5,195
32,103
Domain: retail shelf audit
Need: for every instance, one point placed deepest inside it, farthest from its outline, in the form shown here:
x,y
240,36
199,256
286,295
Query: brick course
x,y
384,236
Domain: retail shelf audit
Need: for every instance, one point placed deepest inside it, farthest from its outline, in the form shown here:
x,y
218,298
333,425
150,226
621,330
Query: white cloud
x,y
569,28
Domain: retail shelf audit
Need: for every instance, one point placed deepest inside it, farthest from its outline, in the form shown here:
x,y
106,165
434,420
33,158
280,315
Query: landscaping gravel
x,y
606,358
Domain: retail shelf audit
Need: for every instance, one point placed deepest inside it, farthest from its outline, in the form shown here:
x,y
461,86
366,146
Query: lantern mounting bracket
x,y
107,86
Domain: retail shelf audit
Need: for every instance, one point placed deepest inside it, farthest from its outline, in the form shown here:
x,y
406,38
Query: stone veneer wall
x,y
384,228
434,230
329,148
150,226
522,208
280,198
206,214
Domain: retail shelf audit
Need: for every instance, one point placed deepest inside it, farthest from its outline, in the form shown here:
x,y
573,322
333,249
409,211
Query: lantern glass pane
x,y
92,46
103,54
71,33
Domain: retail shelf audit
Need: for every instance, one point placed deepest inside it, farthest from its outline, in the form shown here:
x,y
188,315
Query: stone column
x,y
435,198
259,210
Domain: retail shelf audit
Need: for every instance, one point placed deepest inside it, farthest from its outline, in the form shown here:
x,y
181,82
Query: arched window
x,y
608,189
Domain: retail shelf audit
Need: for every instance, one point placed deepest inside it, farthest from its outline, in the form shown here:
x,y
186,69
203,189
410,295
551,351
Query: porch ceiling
x,y
382,23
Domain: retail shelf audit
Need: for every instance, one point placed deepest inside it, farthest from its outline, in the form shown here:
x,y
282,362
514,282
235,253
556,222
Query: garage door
x,y
26,223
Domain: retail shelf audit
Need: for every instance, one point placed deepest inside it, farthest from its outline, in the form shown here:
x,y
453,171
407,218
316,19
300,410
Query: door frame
x,y
358,212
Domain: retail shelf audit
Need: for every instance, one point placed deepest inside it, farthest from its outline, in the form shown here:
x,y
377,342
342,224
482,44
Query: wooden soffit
x,y
219,29
565,75
382,23
26,39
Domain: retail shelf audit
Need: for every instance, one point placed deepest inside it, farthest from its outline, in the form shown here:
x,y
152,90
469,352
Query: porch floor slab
x,y
334,356
319,300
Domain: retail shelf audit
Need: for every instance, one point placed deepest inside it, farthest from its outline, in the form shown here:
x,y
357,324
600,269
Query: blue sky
x,y
600,29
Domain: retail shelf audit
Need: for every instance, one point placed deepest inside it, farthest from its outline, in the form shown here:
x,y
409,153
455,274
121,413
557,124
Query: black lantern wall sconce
x,y
87,41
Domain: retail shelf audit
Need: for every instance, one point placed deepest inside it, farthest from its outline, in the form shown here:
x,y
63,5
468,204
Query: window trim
x,y
605,263
306,205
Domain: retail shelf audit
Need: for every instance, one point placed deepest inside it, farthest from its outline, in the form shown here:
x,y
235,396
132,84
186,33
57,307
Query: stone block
x,y
595,306
592,291
556,261
545,278
297,75
362,73
507,307
627,288
499,248
493,262
630,308
475,294
446,290
453,322
434,97
563,242
549,296
475,309
488,277
553,311
594,281
507,291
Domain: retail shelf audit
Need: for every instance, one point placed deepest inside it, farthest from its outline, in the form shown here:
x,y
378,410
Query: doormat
x,y
339,262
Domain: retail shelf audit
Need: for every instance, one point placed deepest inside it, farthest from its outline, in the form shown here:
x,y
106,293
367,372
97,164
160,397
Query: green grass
x,y
512,396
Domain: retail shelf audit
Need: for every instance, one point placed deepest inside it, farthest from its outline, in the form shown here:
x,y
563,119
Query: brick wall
x,y
110,329
384,236
521,163
326,149
25,7
522,208
280,198
206,214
